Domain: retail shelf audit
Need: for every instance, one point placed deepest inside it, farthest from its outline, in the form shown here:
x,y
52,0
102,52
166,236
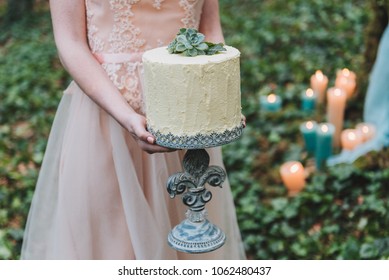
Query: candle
x,y
346,84
367,130
324,138
271,103
346,73
308,130
293,176
350,138
336,103
346,80
308,100
319,84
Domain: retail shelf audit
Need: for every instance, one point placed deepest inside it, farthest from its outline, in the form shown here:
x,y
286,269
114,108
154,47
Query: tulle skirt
x,y
99,196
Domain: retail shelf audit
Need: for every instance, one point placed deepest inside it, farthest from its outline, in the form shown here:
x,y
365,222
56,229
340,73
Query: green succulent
x,y
190,42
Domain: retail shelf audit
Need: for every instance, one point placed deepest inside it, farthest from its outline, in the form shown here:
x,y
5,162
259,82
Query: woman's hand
x,y
243,119
145,140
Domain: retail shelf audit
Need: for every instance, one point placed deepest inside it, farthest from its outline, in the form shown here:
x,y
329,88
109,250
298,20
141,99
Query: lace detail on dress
x,y
158,4
124,34
125,77
96,44
189,20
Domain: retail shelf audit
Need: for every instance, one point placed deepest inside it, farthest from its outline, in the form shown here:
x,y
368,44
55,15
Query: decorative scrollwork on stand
x,y
197,173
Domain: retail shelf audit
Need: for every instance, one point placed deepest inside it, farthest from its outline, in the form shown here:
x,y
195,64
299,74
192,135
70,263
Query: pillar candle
x,y
271,103
346,73
324,138
308,100
319,84
350,139
336,103
308,130
367,131
293,176
346,84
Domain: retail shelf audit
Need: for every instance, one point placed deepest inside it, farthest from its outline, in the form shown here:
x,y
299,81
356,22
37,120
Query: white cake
x,y
192,102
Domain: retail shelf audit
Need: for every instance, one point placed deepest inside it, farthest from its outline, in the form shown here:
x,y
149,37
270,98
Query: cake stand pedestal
x,y
196,234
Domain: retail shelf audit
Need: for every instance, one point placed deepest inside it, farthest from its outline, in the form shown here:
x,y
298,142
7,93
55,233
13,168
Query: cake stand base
x,y
196,238
196,234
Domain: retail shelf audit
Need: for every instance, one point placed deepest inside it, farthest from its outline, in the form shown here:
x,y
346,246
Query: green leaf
x,y
189,42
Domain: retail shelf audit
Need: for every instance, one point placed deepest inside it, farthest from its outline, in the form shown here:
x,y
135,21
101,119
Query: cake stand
x,y
196,234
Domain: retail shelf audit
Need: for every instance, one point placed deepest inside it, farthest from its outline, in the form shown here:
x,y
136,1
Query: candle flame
x,y
345,72
365,129
271,98
309,124
338,92
294,168
352,136
319,75
309,92
324,128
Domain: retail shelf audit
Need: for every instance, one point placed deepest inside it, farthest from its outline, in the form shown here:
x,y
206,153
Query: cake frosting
x,y
192,99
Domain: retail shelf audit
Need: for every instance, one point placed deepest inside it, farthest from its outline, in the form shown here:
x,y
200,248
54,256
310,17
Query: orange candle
x,y
346,80
367,130
347,84
336,104
346,73
351,138
319,84
293,176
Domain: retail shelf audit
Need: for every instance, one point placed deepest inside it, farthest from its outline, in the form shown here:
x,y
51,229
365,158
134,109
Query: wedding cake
x,y
192,102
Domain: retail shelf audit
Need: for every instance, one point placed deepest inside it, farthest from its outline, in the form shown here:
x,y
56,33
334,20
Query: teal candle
x,y
308,130
324,138
308,100
271,103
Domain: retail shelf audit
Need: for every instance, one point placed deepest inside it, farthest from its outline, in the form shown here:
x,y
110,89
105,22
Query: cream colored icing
x,y
192,95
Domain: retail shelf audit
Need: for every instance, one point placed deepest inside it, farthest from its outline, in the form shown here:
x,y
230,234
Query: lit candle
x,y
308,99
336,103
367,130
346,84
350,138
346,73
324,139
293,176
319,84
308,130
271,103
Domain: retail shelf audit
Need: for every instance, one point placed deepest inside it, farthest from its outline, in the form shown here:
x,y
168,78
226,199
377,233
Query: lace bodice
x,y
119,31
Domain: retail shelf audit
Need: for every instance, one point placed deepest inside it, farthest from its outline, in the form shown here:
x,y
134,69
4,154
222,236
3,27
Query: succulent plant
x,y
190,42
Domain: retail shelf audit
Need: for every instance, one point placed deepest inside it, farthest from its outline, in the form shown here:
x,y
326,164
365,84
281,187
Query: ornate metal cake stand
x,y
196,234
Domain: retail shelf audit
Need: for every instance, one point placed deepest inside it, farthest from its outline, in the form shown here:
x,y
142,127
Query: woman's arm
x,y
210,22
69,24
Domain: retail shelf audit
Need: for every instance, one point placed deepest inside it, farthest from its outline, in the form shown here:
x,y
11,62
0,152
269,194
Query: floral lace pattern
x,y
124,37
189,20
158,4
95,42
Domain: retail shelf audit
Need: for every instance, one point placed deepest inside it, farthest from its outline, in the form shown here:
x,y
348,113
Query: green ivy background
x,y
343,213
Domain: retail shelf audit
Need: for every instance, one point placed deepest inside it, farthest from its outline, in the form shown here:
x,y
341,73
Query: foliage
x,y
343,211
190,42
31,80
